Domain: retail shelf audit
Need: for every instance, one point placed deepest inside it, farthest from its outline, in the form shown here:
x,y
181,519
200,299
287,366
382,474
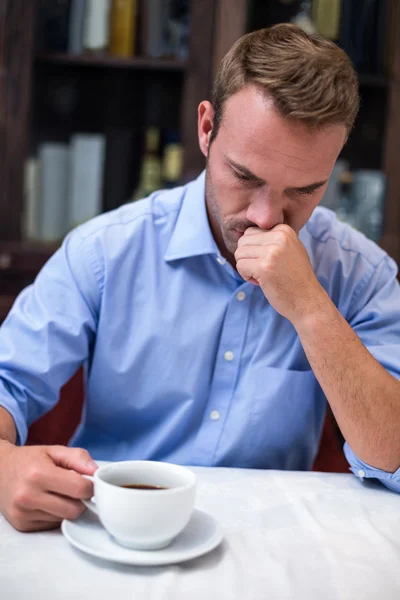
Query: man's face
x,y
263,169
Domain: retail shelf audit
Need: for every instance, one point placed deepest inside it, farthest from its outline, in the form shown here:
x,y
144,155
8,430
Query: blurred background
x,y
98,107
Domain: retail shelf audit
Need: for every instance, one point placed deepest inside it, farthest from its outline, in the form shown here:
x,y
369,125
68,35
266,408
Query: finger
x,y
265,238
32,520
39,515
253,230
45,525
76,459
285,228
60,507
249,252
38,525
249,269
67,483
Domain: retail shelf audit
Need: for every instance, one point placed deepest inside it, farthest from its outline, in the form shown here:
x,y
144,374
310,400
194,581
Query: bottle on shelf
x,y
326,17
172,164
122,28
150,173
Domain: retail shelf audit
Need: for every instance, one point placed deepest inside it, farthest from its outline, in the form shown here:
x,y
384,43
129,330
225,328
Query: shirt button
x,y
221,260
240,296
215,415
361,473
228,355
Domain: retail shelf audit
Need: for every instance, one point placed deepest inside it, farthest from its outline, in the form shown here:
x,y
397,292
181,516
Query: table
x,y
287,535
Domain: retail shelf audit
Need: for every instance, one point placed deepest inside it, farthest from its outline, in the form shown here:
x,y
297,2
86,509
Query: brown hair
x,y
308,77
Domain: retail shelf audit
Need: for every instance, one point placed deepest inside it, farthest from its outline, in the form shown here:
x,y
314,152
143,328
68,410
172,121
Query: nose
x,y
265,209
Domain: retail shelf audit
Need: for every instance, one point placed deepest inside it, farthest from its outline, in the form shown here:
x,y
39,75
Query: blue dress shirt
x,y
184,360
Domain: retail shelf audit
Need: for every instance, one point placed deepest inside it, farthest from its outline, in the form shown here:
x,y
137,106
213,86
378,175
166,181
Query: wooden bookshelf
x,y
179,86
107,61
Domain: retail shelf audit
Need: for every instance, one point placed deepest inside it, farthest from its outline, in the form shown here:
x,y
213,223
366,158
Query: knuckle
x,y
34,475
82,454
23,498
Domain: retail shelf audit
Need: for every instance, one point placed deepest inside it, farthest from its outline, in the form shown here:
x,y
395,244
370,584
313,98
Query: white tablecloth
x,y
286,536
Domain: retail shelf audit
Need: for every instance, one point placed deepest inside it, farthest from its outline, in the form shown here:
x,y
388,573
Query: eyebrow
x,y
244,171
253,177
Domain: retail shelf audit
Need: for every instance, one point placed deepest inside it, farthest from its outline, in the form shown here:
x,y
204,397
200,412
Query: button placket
x,y
224,380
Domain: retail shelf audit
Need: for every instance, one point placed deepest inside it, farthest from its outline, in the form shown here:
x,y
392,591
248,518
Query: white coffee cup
x,y
138,518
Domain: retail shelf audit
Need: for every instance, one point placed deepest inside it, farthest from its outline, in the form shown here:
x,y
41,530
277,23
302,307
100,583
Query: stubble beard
x,y
227,229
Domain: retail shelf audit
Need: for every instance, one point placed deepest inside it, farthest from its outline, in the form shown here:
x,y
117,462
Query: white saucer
x,y
202,534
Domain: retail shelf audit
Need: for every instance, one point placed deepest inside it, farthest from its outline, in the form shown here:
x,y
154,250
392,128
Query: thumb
x,y
75,459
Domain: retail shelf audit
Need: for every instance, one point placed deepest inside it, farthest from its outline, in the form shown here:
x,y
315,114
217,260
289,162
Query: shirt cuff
x,y
363,471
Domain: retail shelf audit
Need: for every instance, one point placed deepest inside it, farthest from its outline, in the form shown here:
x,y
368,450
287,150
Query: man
x,y
215,320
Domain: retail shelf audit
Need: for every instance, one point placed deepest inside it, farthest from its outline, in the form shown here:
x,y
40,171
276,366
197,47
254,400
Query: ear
x,y
204,125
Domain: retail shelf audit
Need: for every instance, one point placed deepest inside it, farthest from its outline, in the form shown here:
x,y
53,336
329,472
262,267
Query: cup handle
x,y
89,503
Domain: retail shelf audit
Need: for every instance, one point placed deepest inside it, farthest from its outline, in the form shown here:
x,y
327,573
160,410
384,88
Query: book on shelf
x,y
96,27
123,28
153,22
53,190
63,186
76,26
164,28
86,177
155,28
52,25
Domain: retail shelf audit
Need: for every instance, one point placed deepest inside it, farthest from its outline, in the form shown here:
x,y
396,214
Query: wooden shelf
x,y
106,60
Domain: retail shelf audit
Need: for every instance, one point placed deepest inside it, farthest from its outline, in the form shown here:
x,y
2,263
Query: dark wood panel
x,y
106,60
198,81
16,38
230,25
391,238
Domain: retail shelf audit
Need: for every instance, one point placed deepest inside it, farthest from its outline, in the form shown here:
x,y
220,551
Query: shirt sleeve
x,y
363,470
49,332
375,318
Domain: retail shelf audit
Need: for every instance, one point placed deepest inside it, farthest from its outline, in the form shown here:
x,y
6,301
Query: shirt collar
x,y
192,234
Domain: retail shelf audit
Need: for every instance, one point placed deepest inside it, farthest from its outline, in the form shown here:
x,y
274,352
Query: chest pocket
x,y
287,410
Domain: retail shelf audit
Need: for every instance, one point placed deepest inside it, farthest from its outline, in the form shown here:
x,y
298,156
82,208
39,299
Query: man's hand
x,y
40,485
277,261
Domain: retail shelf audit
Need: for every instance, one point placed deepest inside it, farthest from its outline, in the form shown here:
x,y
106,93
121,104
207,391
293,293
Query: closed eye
x,y
245,178
306,192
